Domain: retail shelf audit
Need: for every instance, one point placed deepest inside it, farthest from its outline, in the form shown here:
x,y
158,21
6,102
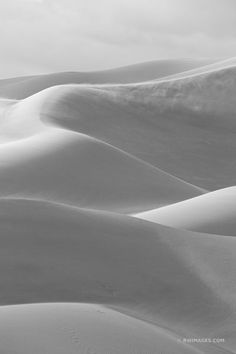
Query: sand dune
x,y
75,160
212,213
209,68
75,169
24,87
81,328
40,160
51,253
185,127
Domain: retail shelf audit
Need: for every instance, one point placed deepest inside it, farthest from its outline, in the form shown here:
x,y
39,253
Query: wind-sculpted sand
x,y
212,213
117,211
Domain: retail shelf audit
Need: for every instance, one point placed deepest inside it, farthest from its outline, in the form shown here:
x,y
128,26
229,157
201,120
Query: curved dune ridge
x,y
186,127
208,68
211,213
81,328
58,253
40,160
20,88
107,244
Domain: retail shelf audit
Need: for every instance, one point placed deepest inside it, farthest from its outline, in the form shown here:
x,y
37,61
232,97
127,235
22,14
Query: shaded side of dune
x,y
51,253
40,159
185,127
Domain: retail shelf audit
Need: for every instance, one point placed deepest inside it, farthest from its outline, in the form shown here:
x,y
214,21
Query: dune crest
x,y
211,213
185,127
42,160
179,126
22,87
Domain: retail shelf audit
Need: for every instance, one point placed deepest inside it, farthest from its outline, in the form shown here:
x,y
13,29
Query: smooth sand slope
x,y
26,86
39,160
176,279
186,127
81,328
212,213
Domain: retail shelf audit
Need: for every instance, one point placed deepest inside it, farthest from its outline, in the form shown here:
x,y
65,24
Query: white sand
x,y
213,212
185,127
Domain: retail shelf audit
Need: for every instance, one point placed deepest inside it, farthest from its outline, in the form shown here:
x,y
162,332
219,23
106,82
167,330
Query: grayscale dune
x,y
81,328
19,88
117,210
54,253
208,68
185,127
40,160
54,165
212,213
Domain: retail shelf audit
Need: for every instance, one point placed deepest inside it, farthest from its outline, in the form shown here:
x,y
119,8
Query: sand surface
x,y
212,213
81,328
117,210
